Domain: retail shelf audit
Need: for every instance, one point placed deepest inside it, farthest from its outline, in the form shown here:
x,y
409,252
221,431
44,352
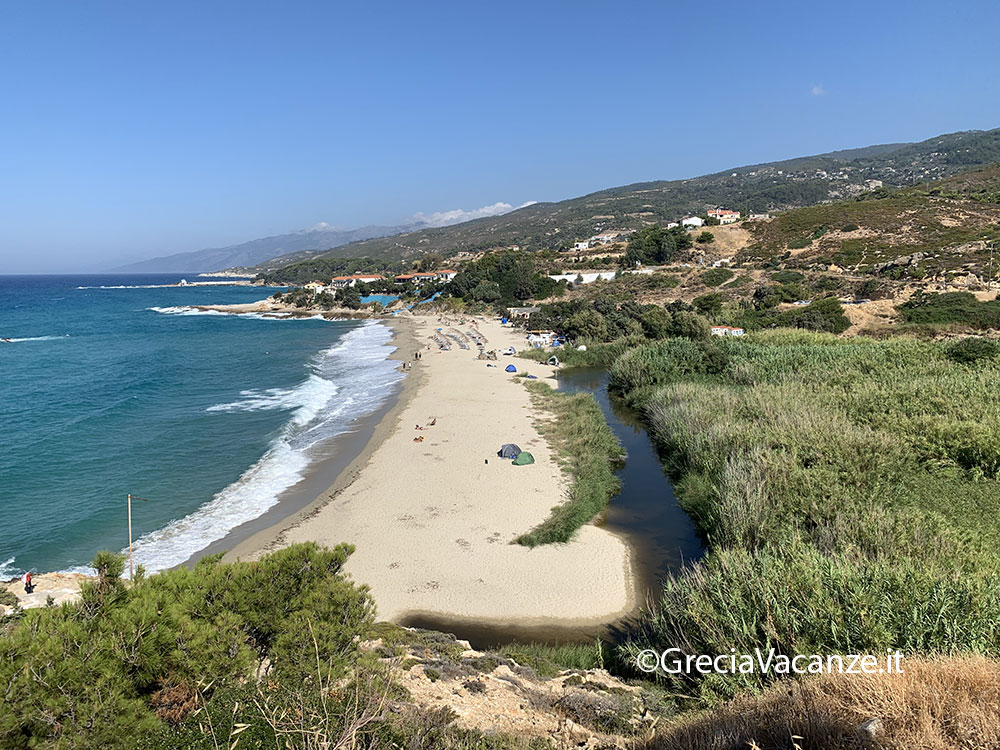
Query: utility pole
x,y
131,568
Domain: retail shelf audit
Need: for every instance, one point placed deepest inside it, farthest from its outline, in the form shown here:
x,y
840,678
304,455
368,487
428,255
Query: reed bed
x,y
847,490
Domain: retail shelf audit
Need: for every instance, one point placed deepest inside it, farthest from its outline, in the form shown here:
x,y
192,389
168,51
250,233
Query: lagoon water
x,y
112,385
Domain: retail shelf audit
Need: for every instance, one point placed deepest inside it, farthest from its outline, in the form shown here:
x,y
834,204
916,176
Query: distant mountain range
x,y
775,186
254,252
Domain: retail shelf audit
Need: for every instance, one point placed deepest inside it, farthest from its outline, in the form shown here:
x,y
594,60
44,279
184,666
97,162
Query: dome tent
x,y
509,450
510,368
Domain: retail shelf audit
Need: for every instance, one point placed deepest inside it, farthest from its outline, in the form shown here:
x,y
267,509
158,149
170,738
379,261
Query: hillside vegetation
x,y
764,187
950,225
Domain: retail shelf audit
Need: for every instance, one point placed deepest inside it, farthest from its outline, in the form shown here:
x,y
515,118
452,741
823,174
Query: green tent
x,y
523,459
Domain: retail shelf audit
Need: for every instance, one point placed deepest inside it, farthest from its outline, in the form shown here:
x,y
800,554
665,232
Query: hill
x,y
763,187
935,229
296,246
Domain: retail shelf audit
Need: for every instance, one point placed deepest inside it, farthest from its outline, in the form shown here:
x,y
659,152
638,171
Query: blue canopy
x,y
510,368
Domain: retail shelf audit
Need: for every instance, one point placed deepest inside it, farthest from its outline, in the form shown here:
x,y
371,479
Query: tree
x,y
708,303
655,244
657,323
588,324
430,262
486,291
349,297
705,237
690,325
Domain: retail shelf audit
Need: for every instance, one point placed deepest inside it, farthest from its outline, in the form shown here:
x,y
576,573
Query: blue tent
x,y
509,450
510,368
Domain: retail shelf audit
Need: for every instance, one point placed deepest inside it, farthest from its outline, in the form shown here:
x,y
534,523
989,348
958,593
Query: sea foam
x,y
188,310
349,379
36,338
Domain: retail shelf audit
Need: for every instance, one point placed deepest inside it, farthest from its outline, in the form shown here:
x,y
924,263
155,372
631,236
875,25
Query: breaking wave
x,y
188,310
348,380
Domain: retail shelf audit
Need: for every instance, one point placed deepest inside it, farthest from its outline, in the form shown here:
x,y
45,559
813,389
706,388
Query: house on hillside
x,y
513,313
418,278
724,215
582,245
446,274
339,282
758,217
692,222
673,225
727,331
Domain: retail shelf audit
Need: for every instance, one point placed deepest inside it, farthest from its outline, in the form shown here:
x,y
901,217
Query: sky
x,y
131,130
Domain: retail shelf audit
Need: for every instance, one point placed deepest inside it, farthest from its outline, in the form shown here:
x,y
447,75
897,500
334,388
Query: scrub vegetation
x,y
589,451
846,488
241,655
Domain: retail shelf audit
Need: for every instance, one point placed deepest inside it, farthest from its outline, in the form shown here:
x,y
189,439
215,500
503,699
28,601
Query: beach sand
x,y
62,587
433,521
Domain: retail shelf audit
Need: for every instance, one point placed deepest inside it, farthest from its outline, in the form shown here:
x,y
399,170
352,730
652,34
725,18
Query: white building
x,y
343,281
724,215
673,225
727,331
692,221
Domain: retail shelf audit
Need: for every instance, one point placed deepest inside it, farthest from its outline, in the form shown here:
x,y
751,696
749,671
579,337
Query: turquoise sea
x,y
113,385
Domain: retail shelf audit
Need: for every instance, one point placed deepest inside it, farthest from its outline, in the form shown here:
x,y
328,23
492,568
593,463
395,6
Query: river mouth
x,y
646,513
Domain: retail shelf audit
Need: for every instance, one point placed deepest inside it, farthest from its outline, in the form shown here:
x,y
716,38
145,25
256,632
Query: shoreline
x,y
260,536
577,589
488,589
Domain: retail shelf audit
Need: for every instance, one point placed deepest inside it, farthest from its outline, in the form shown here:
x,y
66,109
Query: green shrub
x,y
128,661
716,276
972,350
951,307
849,227
787,277
708,304
825,315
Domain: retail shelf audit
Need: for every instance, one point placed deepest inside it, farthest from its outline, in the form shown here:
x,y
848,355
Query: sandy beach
x,y
433,521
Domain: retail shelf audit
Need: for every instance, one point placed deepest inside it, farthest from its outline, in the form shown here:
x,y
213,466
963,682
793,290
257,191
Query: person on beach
x,y
29,587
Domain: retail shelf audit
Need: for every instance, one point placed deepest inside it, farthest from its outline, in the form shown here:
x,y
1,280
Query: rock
x,y
871,727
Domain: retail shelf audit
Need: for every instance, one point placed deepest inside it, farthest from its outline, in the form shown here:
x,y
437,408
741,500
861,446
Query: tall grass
x,y
848,491
589,450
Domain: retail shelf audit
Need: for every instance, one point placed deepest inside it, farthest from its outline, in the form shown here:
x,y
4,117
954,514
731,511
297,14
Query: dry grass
x,y
937,704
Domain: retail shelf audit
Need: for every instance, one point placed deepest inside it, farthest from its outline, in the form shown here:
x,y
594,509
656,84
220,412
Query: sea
x,y
116,385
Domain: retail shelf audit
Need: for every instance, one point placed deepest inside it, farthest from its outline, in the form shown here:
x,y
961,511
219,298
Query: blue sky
x,y
129,130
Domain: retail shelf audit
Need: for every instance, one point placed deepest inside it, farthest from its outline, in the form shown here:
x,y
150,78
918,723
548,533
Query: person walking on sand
x,y
29,587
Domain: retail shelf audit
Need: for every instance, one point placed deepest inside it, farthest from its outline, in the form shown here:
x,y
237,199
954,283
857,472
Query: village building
x,y
692,221
724,215
339,282
521,312
727,331
422,278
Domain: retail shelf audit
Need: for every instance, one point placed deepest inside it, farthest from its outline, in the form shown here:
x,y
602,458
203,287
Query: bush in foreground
x,y
132,661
